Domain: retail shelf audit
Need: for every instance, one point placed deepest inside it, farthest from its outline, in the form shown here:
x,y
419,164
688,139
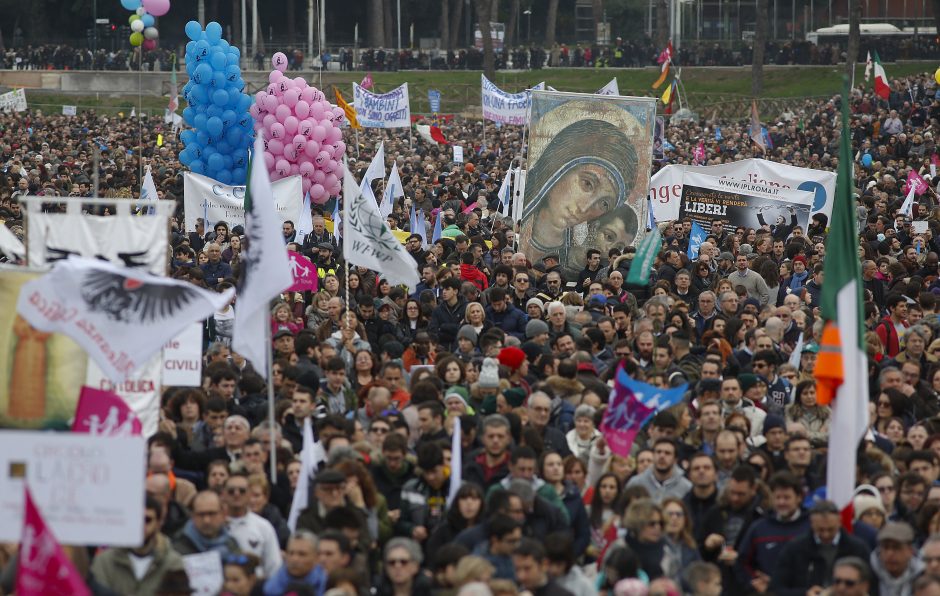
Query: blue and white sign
x,y
434,98
388,110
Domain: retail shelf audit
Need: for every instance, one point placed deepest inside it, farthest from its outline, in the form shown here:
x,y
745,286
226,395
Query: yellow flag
x,y
160,140
667,95
350,111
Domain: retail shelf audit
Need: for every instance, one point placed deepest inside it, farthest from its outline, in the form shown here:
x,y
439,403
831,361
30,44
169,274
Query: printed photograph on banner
x,y
741,204
658,137
588,171
41,374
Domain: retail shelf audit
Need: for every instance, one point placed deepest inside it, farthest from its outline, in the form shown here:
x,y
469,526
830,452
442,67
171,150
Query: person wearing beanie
x,y
457,402
775,440
515,360
536,331
467,339
483,393
535,308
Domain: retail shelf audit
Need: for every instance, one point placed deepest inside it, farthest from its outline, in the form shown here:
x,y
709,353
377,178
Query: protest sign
x,y
69,110
14,101
502,107
665,188
122,239
572,135
208,198
182,358
141,392
40,373
104,413
304,272
386,110
89,488
709,198
458,154
204,571
434,100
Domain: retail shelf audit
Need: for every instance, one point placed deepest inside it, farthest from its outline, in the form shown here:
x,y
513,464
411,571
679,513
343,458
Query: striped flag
x,y
882,88
842,362
665,59
350,112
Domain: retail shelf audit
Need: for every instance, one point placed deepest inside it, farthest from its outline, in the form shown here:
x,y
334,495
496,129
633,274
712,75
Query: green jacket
x,y
542,489
113,569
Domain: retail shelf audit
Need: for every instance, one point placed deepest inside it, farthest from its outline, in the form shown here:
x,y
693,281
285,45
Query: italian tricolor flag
x,y
882,89
842,367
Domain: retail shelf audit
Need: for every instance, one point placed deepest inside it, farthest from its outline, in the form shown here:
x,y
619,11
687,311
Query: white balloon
x,y
151,33
137,26
141,11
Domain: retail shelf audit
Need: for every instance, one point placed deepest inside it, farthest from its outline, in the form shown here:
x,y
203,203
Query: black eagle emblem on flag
x,y
132,300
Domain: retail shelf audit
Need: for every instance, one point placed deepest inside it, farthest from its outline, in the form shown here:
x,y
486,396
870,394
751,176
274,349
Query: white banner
x,y
388,110
204,571
182,358
14,101
89,488
506,108
227,203
69,110
141,392
122,239
610,88
666,184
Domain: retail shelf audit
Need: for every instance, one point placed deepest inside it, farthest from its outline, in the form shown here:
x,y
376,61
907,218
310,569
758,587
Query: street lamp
x,y
528,31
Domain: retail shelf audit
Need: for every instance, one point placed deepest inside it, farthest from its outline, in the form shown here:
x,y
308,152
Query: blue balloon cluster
x,y
223,129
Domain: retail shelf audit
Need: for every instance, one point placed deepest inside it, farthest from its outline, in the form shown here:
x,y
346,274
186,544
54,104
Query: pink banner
x,y
304,272
104,413
43,568
917,182
623,420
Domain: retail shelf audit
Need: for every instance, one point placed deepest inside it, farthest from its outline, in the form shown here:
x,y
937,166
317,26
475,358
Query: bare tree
x,y
390,30
376,23
291,18
445,23
851,51
662,24
551,21
456,16
510,38
760,44
483,14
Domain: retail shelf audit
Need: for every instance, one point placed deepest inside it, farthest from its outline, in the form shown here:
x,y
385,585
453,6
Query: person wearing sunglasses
x,y
402,565
808,564
253,533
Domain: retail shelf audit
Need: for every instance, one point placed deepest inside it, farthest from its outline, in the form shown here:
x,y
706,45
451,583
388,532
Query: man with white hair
x,y
558,322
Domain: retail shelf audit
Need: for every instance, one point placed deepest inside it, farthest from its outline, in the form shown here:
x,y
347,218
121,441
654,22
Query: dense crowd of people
x,y
721,494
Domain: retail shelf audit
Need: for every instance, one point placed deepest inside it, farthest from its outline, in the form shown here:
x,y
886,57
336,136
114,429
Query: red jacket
x,y
472,274
889,336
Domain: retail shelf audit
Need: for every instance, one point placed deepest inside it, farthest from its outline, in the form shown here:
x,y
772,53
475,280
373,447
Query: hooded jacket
x,y
676,485
889,585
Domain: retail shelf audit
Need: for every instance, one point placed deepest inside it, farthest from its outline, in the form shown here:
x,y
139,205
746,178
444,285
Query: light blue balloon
x,y
220,98
234,136
200,95
866,160
199,122
185,157
197,166
228,118
148,19
224,176
214,126
215,162
214,32
202,138
188,115
217,59
188,136
238,175
202,74
130,4
193,31
214,110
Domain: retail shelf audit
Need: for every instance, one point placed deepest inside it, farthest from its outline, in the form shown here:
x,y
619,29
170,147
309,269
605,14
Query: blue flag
x,y
695,240
413,221
652,220
717,133
654,398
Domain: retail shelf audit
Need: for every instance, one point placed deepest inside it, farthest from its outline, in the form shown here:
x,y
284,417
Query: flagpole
x,y
269,357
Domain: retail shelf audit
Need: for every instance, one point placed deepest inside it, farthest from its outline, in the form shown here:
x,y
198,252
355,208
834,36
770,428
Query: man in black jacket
x,y
447,318
806,564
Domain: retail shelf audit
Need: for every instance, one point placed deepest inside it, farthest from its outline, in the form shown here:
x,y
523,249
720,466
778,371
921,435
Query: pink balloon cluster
x,y
301,133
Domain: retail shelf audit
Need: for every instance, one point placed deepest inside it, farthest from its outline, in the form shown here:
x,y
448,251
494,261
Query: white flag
x,y
393,190
368,242
133,112
424,130
610,88
148,192
868,67
518,190
505,194
310,457
797,351
10,245
376,171
305,223
456,467
908,207
120,316
265,267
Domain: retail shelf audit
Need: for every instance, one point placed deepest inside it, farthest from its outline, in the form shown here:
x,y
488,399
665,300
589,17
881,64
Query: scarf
x,y
218,544
797,280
